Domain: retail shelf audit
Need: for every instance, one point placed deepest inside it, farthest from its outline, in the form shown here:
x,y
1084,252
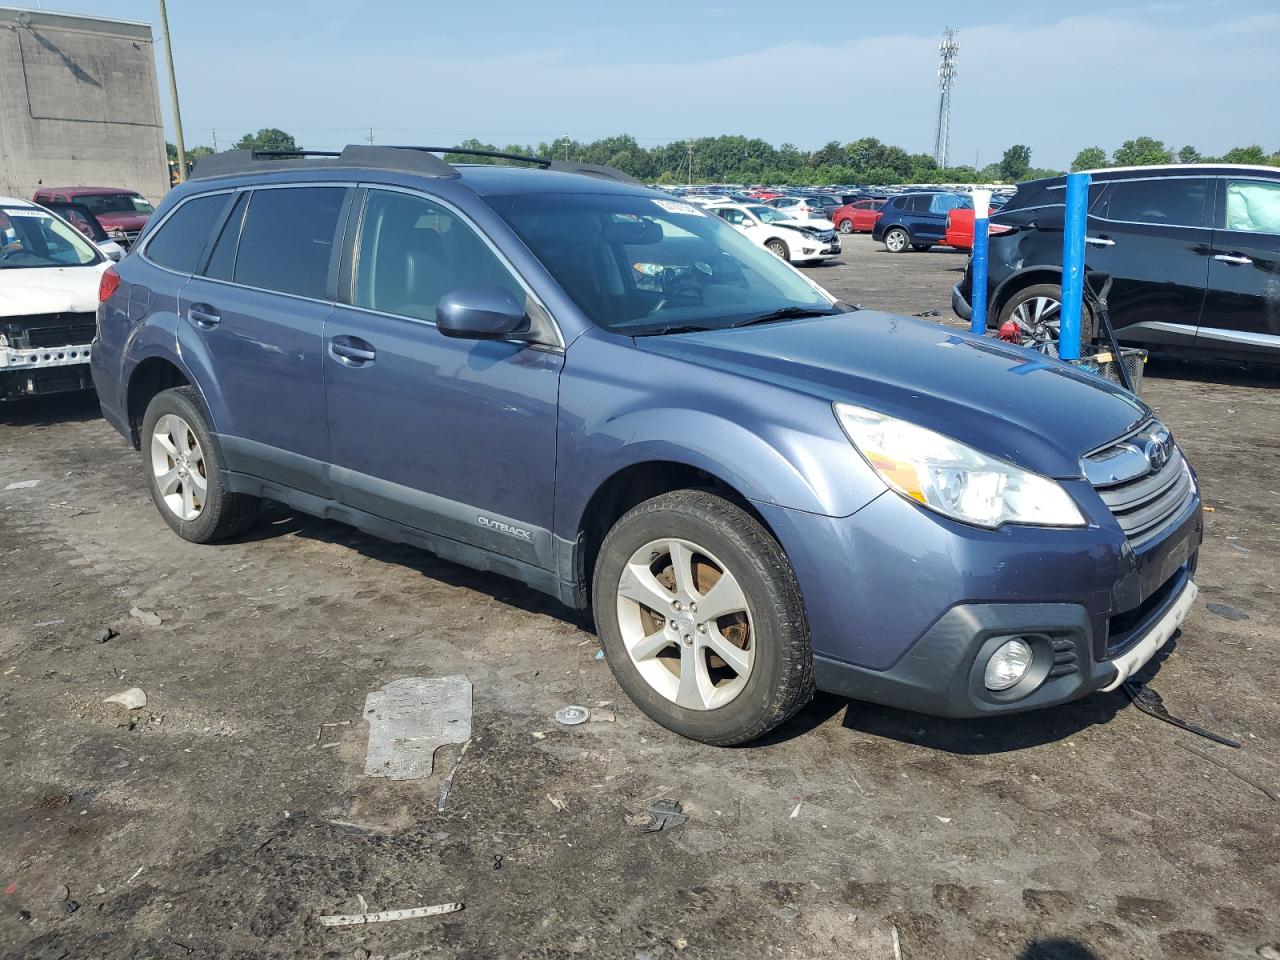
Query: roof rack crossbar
x,y
402,159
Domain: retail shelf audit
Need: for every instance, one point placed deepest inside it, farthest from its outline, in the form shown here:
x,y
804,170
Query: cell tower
x,y
949,50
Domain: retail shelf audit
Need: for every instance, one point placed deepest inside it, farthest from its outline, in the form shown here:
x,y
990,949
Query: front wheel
x,y
1037,312
701,618
778,249
184,473
846,226
896,240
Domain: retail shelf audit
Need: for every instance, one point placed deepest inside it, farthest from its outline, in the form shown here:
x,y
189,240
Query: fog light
x,y
1008,665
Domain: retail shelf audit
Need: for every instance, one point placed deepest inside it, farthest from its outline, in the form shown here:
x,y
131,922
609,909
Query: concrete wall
x,y
79,105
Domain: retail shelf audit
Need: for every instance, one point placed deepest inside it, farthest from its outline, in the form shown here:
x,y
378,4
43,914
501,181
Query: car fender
x,y
1024,277
158,338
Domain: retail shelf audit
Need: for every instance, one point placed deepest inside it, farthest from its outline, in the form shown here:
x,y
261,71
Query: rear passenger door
x,y
1152,236
1242,306
455,437
254,318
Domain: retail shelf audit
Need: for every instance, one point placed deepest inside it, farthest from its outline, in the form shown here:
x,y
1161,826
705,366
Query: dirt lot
x,y
225,816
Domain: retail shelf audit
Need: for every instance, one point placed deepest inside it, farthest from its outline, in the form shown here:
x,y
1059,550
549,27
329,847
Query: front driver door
x,y
454,437
1242,305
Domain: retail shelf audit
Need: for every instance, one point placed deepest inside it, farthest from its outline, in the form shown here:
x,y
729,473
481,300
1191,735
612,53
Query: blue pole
x,y
978,261
1073,231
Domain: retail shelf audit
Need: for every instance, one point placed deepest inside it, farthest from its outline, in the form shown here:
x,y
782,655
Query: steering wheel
x,y
686,290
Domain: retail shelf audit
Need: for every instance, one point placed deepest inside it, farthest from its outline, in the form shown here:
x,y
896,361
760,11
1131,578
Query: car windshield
x,y
31,237
101,203
768,214
640,265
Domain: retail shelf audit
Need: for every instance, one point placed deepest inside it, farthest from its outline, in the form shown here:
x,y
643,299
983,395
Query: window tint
x,y
222,261
182,238
1169,202
411,252
1253,206
287,239
945,202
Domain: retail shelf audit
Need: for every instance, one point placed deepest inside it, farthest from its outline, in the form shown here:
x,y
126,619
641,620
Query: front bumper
x,y
43,370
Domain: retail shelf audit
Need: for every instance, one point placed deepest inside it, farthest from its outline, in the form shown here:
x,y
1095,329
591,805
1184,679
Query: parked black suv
x,y
1193,251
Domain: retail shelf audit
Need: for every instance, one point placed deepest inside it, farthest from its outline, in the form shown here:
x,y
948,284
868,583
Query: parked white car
x,y
805,208
796,241
49,277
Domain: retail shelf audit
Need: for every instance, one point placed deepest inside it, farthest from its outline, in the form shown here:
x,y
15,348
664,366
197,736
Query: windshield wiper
x,y
679,328
786,313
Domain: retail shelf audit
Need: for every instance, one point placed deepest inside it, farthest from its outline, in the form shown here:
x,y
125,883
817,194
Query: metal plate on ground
x,y
409,719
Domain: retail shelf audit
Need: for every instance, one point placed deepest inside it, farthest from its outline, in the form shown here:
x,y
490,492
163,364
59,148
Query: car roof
x,y
1161,168
78,191
15,202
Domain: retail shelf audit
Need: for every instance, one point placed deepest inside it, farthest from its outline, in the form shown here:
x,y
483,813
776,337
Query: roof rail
x,y
403,159
232,163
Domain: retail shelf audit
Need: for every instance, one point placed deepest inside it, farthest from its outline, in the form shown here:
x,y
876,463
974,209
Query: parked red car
x,y
960,228
121,212
857,217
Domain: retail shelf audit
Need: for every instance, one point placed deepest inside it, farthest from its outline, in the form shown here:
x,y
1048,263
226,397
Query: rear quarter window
x,y
181,239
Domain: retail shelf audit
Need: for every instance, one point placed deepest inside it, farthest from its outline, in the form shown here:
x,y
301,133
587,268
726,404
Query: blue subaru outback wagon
x,y
551,372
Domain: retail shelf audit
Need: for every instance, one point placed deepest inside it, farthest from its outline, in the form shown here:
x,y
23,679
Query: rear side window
x,y
1253,206
181,239
287,240
1167,202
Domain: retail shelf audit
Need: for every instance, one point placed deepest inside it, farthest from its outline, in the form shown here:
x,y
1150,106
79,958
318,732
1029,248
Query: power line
x,y
949,51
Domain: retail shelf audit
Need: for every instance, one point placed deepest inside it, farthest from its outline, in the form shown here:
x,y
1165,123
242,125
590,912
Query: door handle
x,y
1100,241
203,316
352,351
1231,258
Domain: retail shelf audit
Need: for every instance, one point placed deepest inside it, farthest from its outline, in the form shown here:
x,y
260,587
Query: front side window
x,y
182,237
639,265
288,238
1253,206
31,237
410,252
1173,202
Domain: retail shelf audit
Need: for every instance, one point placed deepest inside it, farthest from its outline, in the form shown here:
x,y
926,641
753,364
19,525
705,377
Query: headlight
x,y
952,478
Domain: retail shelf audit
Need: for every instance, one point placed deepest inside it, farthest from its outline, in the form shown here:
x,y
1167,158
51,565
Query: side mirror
x,y
480,313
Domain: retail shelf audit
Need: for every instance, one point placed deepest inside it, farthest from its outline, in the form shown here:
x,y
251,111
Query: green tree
x,y
1015,163
1090,158
1141,152
1251,154
268,138
1188,154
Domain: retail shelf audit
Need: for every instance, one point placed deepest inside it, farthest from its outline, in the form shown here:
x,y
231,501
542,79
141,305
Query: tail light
x,y
995,229
108,285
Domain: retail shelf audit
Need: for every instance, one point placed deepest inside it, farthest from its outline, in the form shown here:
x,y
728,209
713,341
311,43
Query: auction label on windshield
x,y
26,212
675,206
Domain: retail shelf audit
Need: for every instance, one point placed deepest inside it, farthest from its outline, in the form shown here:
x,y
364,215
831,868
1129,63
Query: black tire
x,y
779,249
224,514
781,680
897,240
922,246
1052,291
846,226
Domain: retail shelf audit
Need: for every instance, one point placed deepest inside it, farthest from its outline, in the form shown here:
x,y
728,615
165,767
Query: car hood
x,y
123,221
1006,400
50,290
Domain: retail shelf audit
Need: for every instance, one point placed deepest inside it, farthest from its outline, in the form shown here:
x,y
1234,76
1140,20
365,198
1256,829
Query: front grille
x,y
1145,498
1124,628
49,330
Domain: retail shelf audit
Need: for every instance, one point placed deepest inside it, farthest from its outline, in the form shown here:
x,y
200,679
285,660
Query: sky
x,y
1199,72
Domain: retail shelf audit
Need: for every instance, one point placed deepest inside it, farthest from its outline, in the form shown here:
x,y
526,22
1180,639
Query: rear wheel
x,y
779,249
1037,311
701,618
896,239
184,473
846,226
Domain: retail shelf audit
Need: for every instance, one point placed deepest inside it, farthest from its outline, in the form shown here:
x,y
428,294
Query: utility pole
x,y
567,141
371,136
691,161
173,92
214,131
950,51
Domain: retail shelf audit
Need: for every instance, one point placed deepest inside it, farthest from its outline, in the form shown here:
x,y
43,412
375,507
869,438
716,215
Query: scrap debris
x,y
146,616
659,815
1152,704
385,916
409,719
132,699
448,780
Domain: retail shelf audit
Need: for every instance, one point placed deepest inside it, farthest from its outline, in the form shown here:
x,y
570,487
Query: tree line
x,y
739,159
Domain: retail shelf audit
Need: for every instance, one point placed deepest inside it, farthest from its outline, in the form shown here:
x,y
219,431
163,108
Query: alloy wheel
x,y
685,624
178,464
896,241
1039,317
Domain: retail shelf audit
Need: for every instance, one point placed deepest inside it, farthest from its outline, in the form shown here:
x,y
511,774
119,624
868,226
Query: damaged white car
x,y
49,278
796,241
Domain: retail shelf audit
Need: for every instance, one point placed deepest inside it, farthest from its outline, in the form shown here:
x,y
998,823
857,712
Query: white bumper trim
x,y
42,357
1135,658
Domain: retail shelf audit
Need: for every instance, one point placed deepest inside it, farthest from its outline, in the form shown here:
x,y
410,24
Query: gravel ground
x,y
225,816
